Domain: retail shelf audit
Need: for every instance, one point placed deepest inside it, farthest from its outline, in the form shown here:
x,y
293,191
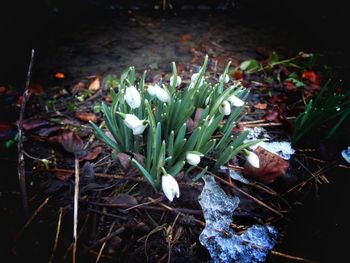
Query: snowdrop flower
x,y
170,187
225,78
152,89
132,97
237,102
131,121
178,80
225,108
140,128
193,158
252,158
162,95
195,77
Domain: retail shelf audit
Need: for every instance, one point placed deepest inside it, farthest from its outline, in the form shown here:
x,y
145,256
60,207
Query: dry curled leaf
x,y
260,106
93,154
69,140
33,123
59,75
95,85
271,167
85,116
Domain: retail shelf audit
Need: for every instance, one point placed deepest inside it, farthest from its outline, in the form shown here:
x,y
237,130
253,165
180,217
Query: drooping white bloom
x,y
252,159
193,158
170,187
226,79
152,89
194,78
140,128
162,95
225,108
132,97
131,121
178,80
237,102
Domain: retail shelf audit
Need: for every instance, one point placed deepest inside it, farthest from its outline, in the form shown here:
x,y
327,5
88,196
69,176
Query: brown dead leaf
x,y
260,106
95,85
80,86
122,199
36,89
69,140
59,75
85,116
93,154
3,90
63,176
125,162
33,123
271,167
185,37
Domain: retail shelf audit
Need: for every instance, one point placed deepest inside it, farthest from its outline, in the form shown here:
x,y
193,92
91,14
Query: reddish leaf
x,y
238,74
273,115
93,154
69,140
311,76
95,85
85,116
36,89
46,131
63,176
260,106
185,37
59,75
3,90
33,123
289,86
271,167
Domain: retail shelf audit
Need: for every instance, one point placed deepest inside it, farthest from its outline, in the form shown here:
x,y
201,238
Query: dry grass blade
x,y
76,198
57,235
104,243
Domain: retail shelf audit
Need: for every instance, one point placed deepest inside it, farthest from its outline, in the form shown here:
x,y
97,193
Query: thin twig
x,y
76,199
21,168
280,254
57,235
104,243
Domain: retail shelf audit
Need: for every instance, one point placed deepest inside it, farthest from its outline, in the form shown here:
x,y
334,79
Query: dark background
x,y
319,227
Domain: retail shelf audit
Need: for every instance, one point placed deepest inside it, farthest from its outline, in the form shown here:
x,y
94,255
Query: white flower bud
x,y
226,79
170,187
193,158
178,81
252,159
152,89
140,128
162,95
132,97
131,121
225,108
195,77
235,101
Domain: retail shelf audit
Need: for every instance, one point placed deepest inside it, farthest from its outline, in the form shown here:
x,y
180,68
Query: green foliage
x,y
329,107
167,138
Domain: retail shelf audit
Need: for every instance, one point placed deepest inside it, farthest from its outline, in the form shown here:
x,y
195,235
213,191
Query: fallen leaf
x,y
85,116
63,176
125,163
69,140
33,123
108,98
273,115
46,131
271,167
260,106
59,75
238,74
3,90
311,76
290,86
122,199
36,89
95,85
92,154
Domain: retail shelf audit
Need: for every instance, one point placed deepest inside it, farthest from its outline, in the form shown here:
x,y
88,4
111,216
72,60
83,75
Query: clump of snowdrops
x,y
153,120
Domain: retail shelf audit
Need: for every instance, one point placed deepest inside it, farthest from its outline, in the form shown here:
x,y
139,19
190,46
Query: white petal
x,y
193,159
225,108
170,187
235,101
131,121
132,97
226,80
139,129
162,95
152,89
253,159
195,77
178,81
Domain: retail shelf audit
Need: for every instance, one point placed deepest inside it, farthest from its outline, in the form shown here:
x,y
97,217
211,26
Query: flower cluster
x,y
154,120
